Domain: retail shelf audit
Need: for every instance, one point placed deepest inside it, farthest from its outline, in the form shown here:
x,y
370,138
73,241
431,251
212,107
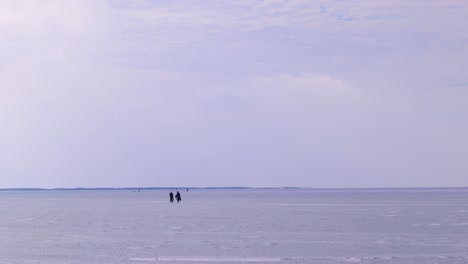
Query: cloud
x,y
102,93
304,89
49,18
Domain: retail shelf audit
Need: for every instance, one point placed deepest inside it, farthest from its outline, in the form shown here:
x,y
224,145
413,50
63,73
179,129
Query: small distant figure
x,y
171,197
187,189
177,196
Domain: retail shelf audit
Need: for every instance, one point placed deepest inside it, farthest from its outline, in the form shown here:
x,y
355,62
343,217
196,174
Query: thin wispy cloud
x,y
205,93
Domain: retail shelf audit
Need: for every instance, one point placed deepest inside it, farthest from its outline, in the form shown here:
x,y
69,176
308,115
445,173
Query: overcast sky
x,y
368,93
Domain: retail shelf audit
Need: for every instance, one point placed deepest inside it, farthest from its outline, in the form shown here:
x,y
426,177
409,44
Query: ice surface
x,y
235,226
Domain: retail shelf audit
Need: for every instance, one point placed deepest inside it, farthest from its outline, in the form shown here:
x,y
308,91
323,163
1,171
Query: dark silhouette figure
x,y
177,196
171,197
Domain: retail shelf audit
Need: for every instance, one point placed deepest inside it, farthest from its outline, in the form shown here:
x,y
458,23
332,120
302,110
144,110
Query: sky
x,y
306,93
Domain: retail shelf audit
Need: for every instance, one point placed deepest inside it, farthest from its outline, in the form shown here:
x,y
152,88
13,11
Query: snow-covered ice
x,y
235,226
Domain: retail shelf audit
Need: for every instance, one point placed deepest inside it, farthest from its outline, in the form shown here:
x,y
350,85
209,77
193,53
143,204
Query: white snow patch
x,y
205,259
353,260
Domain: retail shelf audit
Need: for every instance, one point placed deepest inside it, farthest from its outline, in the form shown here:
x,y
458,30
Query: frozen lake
x,y
235,226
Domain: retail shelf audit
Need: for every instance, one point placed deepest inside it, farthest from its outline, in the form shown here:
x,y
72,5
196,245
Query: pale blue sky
x,y
121,93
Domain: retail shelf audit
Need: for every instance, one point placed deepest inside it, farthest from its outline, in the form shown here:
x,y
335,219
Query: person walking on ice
x,y
177,196
171,197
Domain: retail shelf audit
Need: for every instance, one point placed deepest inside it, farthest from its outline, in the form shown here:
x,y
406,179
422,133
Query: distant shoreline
x,y
229,188
148,188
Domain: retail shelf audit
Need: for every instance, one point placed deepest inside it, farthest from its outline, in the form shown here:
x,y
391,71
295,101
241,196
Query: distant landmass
x,y
144,188
231,188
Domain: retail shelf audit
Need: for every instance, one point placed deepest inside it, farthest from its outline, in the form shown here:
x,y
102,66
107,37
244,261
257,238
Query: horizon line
x,y
218,188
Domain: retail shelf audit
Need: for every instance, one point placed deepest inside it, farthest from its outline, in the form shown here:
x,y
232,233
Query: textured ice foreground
x,y
235,226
